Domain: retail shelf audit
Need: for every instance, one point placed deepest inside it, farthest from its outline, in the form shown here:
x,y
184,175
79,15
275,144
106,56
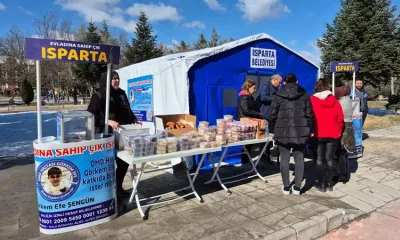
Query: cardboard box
x,y
161,123
261,126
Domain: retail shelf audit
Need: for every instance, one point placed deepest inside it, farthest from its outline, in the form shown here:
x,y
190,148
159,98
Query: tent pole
x,y
38,101
107,114
333,84
354,83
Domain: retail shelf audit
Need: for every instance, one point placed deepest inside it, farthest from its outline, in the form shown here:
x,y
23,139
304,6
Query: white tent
x,y
170,74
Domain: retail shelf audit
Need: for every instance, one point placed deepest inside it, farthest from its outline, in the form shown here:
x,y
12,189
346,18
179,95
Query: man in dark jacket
x,y
264,100
362,95
266,92
120,113
291,120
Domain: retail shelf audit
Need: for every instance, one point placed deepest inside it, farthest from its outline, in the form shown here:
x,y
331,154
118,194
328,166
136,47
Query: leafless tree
x,y
15,66
55,74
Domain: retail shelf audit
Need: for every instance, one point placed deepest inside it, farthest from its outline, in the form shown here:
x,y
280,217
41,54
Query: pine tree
x,y
201,42
90,73
182,47
144,44
27,94
215,39
364,31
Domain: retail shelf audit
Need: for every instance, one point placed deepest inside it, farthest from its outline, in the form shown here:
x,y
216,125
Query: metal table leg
x,y
256,162
136,183
218,166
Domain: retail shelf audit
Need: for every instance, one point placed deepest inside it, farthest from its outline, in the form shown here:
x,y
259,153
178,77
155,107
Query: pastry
x,y
170,125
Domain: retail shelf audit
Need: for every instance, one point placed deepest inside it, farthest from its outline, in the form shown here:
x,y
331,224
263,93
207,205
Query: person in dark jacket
x,y
291,121
247,109
361,94
329,122
266,92
264,100
247,105
120,113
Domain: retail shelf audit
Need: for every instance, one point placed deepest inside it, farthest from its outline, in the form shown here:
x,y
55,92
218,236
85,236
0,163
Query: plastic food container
x,y
203,124
184,147
228,118
214,144
137,153
194,146
236,137
136,140
162,142
205,145
203,130
209,137
161,151
162,133
137,146
221,122
172,141
172,150
150,138
183,140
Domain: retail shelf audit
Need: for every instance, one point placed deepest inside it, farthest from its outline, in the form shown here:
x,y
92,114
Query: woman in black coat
x,y
291,121
120,113
247,108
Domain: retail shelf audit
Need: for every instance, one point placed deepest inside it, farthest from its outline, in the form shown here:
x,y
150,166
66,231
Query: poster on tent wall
x,y
140,95
262,58
75,184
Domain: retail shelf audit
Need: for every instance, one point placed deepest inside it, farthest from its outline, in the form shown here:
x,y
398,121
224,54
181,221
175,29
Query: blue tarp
x,y
209,77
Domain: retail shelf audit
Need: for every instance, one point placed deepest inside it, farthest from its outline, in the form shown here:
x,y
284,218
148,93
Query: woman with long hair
x,y
327,131
247,108
346,143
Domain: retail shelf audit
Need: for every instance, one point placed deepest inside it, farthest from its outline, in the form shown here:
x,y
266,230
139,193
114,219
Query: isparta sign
x,y
263,58
69,51
344,66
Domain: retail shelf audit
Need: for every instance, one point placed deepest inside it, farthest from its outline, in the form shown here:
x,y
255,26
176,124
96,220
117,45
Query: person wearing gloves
x,y
291,121
327,131
247,109
120,113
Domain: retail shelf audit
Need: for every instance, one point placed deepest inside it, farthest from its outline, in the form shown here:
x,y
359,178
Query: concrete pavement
x,y
255,210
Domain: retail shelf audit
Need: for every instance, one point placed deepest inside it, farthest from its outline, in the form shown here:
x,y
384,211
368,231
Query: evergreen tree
x,y
230,39
364,31
215,39
182,47
27,94
201,42
144,45
90,73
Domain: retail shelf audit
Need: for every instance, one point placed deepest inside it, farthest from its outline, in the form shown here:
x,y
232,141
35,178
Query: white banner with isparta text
x,y
263,58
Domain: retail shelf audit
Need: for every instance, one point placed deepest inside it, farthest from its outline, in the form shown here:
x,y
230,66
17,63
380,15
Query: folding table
x,y
125,156
254,165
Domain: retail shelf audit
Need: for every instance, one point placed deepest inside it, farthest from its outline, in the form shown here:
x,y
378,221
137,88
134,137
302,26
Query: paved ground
x,y
382,224
255,210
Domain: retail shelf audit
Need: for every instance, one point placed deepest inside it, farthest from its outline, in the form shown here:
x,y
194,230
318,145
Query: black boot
x,y
320,186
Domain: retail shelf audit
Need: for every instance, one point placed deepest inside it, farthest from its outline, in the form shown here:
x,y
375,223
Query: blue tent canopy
x,y
215,81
